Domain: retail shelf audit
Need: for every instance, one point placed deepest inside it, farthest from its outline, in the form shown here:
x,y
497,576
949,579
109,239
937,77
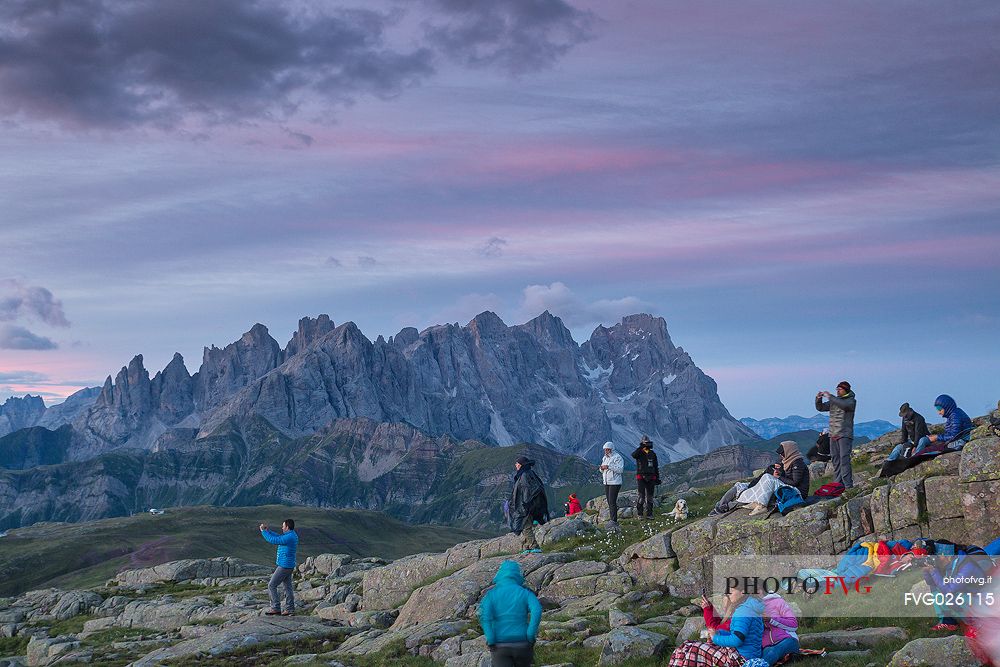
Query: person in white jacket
x,y
612,466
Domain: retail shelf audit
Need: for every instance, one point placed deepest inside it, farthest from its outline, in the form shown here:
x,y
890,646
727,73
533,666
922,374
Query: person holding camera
x,y
841,408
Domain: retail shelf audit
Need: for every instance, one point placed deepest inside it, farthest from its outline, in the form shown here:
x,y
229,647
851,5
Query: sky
x,y
806,192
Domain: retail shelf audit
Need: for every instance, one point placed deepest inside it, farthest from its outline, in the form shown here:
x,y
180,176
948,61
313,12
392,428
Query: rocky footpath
x,y
608,598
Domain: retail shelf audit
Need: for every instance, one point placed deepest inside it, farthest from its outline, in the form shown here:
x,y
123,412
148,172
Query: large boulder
x,y
75,603
981,460
934,652
979,505
186,570
388,587
453,595
163,613
564,528
650,562
625,643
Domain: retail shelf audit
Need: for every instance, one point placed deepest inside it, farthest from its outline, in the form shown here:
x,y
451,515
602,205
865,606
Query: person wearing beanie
x,y
647,476
612,466
914,429
841,408
528,503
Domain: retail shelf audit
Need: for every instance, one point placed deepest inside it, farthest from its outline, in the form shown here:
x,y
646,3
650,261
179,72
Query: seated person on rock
x,y
510,615
957,431
914,430
792,469
952,576
780,629
727,648
821,450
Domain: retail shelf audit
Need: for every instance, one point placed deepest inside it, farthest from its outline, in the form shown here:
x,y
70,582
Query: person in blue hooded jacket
x,y
957,428
732,647
288,544
510,614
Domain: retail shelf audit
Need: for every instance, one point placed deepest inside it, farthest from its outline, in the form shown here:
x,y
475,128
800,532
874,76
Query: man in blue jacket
x,y
288,544
510,614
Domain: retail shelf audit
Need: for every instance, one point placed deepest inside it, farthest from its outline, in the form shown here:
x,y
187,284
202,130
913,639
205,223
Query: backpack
x,y
788,498
830,490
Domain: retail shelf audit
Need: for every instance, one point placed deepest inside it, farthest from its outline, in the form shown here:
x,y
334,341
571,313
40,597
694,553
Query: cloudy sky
x,y
805,191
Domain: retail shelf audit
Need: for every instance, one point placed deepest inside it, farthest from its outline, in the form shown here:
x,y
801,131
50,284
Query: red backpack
x,y
830,490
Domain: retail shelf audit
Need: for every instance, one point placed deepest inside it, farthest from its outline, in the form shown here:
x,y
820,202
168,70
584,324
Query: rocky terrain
x,y
609,598
354,463
485,381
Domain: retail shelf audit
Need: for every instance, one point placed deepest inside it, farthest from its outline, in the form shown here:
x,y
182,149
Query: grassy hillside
x,y
86,554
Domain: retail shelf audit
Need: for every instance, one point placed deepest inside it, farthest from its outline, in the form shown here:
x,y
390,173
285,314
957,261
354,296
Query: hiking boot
x,y
288,613
944,627
757,508
272,612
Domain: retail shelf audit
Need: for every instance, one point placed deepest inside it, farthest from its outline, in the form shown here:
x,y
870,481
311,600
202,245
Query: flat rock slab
x,y
186,570
935,651
261,630
867,637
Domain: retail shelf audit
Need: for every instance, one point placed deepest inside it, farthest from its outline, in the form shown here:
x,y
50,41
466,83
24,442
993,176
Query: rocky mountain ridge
x,y
487,381
771,427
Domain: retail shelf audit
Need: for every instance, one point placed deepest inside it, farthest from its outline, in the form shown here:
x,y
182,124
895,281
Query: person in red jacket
x,y
573,506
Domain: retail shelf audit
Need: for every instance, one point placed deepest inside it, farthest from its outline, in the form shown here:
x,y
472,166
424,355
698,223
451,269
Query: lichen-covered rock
x,y
189,569
260,630
564,528
979,505
628,642
618,618
75,603
934,652
479,659
981,460
388,587
945,464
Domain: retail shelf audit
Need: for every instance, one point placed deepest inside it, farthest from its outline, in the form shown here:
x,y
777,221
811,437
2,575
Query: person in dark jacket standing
x,y
647,475
792,468
914,430
528,503
841,408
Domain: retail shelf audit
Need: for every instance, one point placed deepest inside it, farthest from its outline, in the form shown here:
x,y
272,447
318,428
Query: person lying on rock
x,y
288,544
509,615
727,648
757,494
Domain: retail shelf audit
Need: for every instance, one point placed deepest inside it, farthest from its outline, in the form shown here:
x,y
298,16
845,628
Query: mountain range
x,y
485,381
774,426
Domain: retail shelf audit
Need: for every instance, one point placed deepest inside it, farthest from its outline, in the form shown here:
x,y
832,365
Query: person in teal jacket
x,y
510,614
288,544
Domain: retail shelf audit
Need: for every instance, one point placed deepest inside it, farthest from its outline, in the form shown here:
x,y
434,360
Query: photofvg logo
x,y
864,584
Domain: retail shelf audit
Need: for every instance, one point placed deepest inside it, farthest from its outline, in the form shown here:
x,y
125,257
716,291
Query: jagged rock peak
x,y
550,330
406,336
487,323
17,413
310,330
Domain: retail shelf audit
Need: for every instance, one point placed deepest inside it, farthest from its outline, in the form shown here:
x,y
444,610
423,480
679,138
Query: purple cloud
x,y
13,337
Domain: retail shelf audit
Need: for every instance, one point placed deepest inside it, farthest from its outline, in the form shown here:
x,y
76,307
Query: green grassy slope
x,y
86,554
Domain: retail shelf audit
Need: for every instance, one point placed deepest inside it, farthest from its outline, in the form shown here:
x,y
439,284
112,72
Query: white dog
x,y
680,511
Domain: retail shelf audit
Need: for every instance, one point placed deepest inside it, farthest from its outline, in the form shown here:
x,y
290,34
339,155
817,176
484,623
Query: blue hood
x,y
752,606
509,573
947,402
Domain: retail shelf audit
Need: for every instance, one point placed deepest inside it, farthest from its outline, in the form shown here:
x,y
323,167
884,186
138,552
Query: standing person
x,y
647,476
612,466
288,544
914,430
528,503
841,408
510,615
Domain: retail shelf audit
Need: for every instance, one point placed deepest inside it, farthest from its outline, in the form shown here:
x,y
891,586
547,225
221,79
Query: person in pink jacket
x,y
780,629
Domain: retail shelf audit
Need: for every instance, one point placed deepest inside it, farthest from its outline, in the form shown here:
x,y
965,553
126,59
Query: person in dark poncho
x,y
528,503
647,475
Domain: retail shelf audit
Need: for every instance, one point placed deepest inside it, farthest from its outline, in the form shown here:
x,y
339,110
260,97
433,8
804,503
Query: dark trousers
x,y
611,493
513,655
646,489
